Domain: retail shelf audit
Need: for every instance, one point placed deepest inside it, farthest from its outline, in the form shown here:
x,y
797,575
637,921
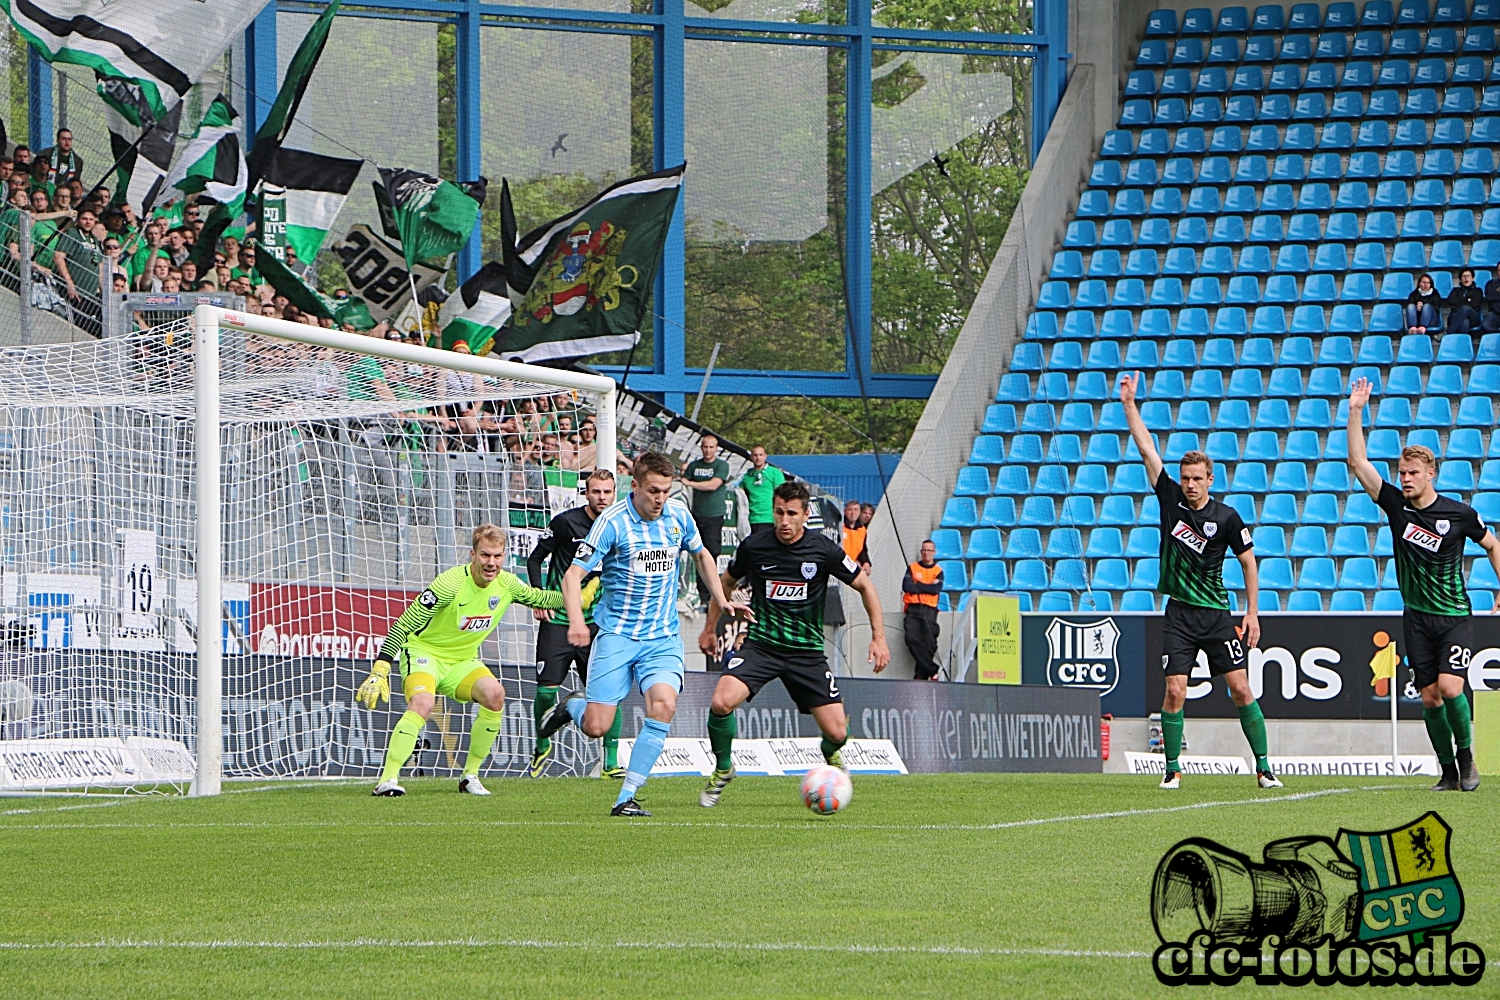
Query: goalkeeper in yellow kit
x,y
438,639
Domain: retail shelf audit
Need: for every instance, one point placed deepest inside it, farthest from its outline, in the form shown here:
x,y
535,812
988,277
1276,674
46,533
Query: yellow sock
x,y
482,739
403,742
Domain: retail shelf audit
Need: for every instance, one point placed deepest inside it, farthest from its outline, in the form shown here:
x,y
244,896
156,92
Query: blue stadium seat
x,y
1304,600
973,481
1000,418
1147,572
987,450
1484,378
1118,142
1446,380
1262,446
1216,260
984,543
1092,480
1404,380
1244,383
955,574
1030,574
1243,505
1064,543
1372,134
1130,479
1318,574
1434,411
1456,475
1456,347
1475,411
1260,49
1250,477
1320,508
1289,477
1394,413
1269,541
1038,512
1064,449
1346,600
1223,446
1325,382
960,512
1353,540
1091,386
999,512
1303,446
949,543
1117,510
1360,509
1465,442
1013,479
1025,449
1276,574
1268,17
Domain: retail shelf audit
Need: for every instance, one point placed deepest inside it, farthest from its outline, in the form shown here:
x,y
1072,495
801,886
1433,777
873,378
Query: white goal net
x,y
349,472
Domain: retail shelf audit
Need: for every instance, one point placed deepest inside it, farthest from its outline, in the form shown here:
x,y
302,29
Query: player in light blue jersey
x,y
634,545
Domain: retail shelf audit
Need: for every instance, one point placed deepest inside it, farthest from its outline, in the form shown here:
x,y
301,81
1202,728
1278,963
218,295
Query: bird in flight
x,y
558,146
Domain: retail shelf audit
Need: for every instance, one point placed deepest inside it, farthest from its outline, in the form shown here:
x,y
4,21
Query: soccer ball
x,y
826,790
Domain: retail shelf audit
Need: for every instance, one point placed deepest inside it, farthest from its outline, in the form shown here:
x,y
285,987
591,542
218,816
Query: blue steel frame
x,y
669,28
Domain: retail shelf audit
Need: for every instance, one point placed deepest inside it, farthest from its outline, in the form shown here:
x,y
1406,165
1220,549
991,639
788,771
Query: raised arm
x,y
1359,462
531,597
1138,431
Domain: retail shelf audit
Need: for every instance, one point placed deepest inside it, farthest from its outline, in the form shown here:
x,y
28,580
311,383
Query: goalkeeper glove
x,y
377,686
590,593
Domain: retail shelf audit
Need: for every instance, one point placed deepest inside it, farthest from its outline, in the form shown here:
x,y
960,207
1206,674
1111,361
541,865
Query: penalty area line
x,y
770,946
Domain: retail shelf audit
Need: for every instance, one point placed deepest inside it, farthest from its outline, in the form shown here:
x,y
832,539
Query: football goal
x,y
207,526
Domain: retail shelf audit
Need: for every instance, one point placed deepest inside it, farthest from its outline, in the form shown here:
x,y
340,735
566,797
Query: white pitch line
x,y
853,949
811,824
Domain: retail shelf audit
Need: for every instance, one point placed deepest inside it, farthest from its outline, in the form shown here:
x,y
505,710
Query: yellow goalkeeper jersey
x,y
453,615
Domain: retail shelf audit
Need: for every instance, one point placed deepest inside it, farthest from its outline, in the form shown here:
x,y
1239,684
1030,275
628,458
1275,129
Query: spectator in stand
x,y
22,157
7,168
706,479
588,449
1422,307
919,593
39,180
1492,304
567,442
177,249
189,274
854,534
866,514
1465,303
63,162
759,482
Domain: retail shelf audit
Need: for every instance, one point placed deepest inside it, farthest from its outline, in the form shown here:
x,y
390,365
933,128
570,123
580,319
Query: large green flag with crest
x,y
579,284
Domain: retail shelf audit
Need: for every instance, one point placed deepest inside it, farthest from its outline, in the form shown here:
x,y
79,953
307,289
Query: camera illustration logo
x,y
1366,908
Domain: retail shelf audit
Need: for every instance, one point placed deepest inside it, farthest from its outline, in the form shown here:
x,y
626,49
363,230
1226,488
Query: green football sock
x,y
1439,732
546,697
612,741
831,747
1460,721
721,730
403,742
1171,738
1254,725
482,739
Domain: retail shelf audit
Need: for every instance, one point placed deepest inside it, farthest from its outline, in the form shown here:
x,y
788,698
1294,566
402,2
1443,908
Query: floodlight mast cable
x,y
207,322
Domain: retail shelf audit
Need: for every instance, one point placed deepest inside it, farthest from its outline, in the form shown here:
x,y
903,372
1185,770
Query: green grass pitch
x,y
926,886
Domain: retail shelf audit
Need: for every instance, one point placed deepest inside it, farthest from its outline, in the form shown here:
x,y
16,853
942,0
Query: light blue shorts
x,y
617,661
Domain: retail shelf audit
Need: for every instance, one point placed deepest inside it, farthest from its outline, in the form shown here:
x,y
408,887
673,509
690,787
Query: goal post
x,y
209,322
207,527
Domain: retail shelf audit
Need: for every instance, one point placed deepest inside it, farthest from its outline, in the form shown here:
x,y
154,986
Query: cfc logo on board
x,y
1083,656
1375,909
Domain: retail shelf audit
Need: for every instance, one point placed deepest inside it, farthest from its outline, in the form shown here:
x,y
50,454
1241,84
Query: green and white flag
x,y
141,171
579,285
300,197
477,311
293,85
162,47
211,163
298,292
430,217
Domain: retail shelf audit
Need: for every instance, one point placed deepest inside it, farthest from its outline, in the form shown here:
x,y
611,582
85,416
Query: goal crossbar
x,y
207,323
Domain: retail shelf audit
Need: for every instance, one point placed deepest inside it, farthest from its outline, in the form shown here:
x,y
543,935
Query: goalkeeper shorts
x,y
423,672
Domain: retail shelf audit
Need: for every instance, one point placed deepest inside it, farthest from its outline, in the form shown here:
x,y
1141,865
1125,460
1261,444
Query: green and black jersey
x,y
1193,543
1429,546
788,584
560,541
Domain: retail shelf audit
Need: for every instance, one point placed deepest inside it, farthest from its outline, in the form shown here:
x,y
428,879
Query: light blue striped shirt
x,y
638,563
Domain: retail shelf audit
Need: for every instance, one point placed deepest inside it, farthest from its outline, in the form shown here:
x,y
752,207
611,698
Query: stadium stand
x,y
1276,184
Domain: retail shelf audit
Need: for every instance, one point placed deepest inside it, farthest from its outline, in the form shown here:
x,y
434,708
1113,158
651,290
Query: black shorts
x,y
1187,628
555,654
804,674
1437,644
